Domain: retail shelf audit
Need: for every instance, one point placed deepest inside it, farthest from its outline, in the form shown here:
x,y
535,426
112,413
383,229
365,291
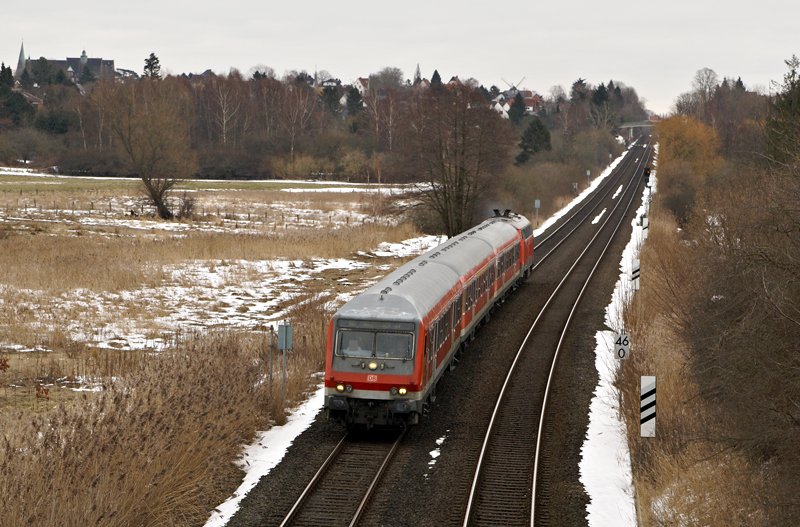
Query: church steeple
x,y
21,61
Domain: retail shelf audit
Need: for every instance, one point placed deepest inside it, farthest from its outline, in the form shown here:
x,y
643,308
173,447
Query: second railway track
x,y
414,491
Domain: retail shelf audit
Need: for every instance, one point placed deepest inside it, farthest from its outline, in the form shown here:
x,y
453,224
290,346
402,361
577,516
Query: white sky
x,y
656,47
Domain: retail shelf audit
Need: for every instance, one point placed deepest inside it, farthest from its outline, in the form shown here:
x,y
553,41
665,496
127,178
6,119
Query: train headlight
x,y
340,388
348,388
373,365
402,391
393,391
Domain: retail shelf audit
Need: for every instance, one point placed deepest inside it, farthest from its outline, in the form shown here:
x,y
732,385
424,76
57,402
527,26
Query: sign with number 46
x,y
622,346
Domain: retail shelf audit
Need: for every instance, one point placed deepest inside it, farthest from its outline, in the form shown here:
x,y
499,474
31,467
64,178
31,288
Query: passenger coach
x,y
388,346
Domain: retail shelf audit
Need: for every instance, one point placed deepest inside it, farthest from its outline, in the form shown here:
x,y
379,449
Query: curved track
x,y
504,483
441,499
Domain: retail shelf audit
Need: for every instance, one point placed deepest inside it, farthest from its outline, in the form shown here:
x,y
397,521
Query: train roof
x,y
414,289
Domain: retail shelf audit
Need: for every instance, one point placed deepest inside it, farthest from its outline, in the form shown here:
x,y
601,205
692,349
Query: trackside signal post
x,y
284,344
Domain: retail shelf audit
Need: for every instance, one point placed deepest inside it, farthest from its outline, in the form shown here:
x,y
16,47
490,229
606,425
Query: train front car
x,y
374,360
388,347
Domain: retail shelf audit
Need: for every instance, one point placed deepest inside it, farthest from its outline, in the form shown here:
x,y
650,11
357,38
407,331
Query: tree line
x,y
725,296
299,126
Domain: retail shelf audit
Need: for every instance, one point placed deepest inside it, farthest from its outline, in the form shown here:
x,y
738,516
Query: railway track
x,y
504,486
340,490
351,476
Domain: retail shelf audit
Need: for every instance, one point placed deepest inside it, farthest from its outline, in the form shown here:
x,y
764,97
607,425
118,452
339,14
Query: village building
x,y
73,67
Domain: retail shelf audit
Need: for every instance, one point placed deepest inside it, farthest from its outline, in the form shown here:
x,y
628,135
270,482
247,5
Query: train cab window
x,y
381,345
358,344
394,346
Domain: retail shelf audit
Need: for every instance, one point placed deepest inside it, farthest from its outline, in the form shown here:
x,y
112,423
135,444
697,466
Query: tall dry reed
x,y
155,448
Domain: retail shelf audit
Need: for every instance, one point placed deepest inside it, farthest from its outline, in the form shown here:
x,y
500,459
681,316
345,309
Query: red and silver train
x,y
388,346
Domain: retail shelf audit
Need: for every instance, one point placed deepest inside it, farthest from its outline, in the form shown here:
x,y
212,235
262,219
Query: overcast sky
x,y
656,47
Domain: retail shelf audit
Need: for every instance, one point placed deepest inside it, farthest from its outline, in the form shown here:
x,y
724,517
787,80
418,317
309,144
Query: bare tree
x,y
149,120
227,102
299,104
459,145
704,83
268,93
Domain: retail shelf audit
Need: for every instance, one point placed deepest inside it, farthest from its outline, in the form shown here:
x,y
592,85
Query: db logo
x,y
372,378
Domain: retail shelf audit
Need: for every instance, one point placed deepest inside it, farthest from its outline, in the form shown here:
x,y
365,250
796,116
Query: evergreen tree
x,y
535,138
517,110
618,95
600,95
16,108
330,99
25,79
152,67
355,104
436,80
304,77
579,90
6,76
61,77
739,85
86,76
783,122
417,76
42,74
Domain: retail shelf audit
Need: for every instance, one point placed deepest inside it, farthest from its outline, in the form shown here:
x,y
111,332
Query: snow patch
x,y
605,466
266,452
580,197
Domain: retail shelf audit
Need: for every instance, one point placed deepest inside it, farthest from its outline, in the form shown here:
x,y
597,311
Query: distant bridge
x,y
632,126
640,124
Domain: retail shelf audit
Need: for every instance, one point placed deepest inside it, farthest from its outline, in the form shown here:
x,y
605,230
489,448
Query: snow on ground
x,y
617,193
266,452
219,216
270,446
218,299
598,217
278,444
580,197
605,467
197,296
286,185
435,453
407,247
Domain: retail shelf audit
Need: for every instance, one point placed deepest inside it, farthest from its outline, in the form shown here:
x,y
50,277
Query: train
x,y
388,346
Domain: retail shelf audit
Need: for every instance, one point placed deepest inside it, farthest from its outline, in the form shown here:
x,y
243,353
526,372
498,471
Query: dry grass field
x,y
134,353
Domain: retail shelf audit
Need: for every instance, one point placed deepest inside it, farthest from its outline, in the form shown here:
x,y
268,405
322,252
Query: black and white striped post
x,y
647,407
635,272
